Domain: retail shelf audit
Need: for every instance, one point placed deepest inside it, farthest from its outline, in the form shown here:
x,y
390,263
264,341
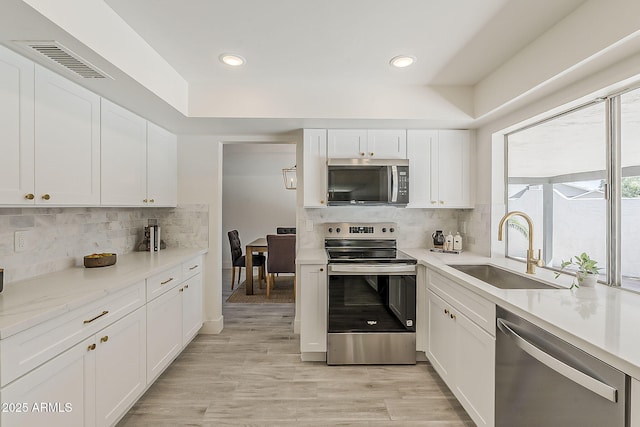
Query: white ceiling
x,y
333,53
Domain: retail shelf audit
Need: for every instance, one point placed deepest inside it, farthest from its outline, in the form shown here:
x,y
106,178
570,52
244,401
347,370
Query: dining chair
x,y
282,258
238,260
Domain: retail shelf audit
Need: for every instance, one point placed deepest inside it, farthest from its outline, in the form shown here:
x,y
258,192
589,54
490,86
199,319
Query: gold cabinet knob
x,y
371,154
442,202
91,347
322,202
151,200
181,290
145,201
186,286
321,269
29,196
453,316
433,202
362,154
46,197
104,338
446,311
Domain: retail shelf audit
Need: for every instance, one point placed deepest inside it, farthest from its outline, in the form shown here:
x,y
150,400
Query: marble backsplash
x,y
58,238
415,226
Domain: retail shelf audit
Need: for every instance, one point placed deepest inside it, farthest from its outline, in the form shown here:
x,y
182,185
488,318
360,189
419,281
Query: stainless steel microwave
x,y
367,182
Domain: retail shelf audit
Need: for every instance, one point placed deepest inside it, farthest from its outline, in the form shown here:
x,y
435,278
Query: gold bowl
x,y
99,260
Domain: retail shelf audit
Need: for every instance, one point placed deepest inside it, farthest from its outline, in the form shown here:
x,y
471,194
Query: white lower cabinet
x,y
174,319
313,308
91,384
461,351
58,393
164,334
120,374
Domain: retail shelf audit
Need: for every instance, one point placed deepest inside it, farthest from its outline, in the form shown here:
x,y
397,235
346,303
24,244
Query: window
x,y
558,172
630,189
556,175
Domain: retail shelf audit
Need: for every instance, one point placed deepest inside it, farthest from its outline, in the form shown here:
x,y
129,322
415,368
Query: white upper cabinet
x,y
366,144
139,160
454,186
439,169
16,129
314,152
123,157
67,142
162,167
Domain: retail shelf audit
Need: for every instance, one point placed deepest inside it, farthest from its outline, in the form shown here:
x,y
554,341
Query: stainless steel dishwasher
x,y
542,380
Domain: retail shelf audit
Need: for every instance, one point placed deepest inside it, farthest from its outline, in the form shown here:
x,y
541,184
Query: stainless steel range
x,y
372,296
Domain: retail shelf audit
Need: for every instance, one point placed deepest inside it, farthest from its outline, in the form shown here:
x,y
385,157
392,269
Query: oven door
x,y
363,299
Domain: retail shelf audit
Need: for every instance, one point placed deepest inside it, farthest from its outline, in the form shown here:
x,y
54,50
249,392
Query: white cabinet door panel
x,y
162,167
67,141
124,157
16,128
420,144
346,143
453,175
191,308
164,331
315,168
441,333
313,308
120,366
387,144
56,394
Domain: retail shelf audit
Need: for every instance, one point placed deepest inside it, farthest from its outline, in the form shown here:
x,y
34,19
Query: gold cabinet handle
x,y
166,281
29,196
194,267
46,197
91,347
104,338
97,317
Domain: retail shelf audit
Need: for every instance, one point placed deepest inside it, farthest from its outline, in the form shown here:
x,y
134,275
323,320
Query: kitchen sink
x,y
501,278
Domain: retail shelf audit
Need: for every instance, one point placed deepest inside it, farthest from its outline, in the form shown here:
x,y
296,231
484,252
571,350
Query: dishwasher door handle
x,y
579,377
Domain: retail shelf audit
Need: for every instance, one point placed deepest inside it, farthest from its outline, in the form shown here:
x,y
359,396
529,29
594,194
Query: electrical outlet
x,y
309,225
20,242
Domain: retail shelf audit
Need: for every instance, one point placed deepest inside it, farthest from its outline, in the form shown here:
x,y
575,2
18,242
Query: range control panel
x,y
350,230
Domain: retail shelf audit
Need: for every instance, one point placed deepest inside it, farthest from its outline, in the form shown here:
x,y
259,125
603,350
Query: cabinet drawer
x,y
192,267
162,282
476,308
26,350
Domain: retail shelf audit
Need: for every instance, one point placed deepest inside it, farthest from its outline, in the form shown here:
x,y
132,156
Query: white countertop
x,y
602,321
26,303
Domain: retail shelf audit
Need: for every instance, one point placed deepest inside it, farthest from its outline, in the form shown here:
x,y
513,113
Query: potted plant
x,y
587,272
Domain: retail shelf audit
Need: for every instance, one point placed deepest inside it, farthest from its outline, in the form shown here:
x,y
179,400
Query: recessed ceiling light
x,y
232,59
402,61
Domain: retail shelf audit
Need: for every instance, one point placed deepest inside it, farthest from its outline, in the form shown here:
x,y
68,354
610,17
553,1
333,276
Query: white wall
x,y
254,200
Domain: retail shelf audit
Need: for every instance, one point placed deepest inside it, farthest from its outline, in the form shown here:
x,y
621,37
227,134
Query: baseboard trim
x,y
212,327
313,356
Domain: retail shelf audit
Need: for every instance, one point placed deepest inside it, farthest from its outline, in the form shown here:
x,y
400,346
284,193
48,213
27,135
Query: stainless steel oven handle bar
x,y
579,377
390,269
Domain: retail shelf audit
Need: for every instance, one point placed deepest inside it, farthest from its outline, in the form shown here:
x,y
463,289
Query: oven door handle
x,y
391,269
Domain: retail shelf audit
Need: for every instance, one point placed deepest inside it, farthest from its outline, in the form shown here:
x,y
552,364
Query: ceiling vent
x,y
66,58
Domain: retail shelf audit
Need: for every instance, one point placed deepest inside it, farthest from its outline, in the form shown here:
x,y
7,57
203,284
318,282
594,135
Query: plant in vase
x,y
586,273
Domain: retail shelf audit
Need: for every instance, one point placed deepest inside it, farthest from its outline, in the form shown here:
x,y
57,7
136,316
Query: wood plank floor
x,y
251,375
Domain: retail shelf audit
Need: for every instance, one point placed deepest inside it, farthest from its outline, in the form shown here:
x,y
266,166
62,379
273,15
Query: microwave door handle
x,y
394,184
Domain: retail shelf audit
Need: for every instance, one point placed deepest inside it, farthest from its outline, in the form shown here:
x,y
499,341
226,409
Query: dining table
x,y
257,246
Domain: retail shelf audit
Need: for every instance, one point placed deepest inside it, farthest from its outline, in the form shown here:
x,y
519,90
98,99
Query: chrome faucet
x,y
531,261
